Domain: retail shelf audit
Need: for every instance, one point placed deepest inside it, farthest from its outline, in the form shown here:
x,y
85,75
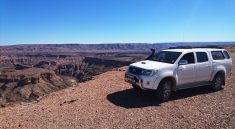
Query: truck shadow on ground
x,y
131,98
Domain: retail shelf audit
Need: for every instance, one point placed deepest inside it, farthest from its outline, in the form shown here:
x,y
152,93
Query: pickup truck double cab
x,y
180,68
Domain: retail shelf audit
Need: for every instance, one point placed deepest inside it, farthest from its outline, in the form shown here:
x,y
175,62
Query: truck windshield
x,y
166,56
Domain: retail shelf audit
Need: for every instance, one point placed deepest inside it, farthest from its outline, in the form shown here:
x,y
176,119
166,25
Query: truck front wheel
x,y
136,87
164,90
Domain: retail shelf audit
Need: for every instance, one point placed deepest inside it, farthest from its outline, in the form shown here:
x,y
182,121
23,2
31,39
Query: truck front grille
x,y
135,70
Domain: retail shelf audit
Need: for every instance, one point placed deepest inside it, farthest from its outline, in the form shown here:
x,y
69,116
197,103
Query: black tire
x,y
164,90
136,87
217,82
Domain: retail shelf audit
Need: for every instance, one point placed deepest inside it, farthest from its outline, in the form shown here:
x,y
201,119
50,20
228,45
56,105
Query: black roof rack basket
x,y
191,47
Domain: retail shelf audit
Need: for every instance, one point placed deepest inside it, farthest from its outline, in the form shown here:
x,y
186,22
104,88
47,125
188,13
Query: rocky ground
x,y
109,102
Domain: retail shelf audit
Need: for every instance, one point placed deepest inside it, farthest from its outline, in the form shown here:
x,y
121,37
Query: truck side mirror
x,y
183,62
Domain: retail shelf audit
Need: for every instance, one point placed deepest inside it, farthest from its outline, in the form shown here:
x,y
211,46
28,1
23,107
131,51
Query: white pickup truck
x,y
180,68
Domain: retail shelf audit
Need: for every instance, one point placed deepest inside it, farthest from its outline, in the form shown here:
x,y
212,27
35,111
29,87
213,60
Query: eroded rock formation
x,y
29,84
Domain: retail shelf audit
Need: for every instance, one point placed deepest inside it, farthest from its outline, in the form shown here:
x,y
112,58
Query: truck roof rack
x,y
191,47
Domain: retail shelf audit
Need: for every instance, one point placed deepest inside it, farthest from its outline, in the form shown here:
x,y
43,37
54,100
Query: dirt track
x,y
109,102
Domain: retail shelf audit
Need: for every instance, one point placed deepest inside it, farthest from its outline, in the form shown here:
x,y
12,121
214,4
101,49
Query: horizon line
x,y
114,43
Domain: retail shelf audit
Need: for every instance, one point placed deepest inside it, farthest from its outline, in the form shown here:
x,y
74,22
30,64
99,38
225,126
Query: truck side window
x,y
226,55
217,55
201,57
189,57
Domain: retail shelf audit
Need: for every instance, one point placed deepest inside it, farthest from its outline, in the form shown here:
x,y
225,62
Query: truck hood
x,y
151,65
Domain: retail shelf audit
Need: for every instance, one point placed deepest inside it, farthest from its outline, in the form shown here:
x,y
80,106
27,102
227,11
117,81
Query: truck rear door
x,y
203,67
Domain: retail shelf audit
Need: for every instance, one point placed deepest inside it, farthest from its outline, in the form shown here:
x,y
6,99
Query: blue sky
x,y
116,21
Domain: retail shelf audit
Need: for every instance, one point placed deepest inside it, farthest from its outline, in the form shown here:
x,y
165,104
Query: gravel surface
x,y
109,102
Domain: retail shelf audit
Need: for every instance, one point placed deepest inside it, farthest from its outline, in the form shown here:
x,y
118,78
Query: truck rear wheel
x,y
217,82
164,90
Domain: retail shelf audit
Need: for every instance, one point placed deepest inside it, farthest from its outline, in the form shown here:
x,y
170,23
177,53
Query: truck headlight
x,y
149,72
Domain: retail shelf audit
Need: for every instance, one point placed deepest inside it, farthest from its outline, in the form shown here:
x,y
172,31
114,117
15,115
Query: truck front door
x,y
187,72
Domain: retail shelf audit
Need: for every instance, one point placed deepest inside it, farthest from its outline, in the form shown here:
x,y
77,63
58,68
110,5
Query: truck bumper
x,y
135,80
144,84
